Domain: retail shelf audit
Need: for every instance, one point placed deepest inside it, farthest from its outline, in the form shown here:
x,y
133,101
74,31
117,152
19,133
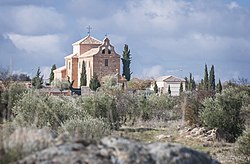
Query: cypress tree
x,y
51,77
83,79
181,88
126,61
201,84
212,79
155,87
37,81
219,87
94,83
205,82
169,90
193,84
186,84
190,82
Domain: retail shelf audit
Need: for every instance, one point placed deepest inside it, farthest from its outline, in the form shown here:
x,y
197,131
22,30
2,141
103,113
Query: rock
x,y
200,133
119,151
162,136
28,140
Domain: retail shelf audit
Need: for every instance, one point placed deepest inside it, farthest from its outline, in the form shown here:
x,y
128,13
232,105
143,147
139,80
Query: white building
x,y
164,82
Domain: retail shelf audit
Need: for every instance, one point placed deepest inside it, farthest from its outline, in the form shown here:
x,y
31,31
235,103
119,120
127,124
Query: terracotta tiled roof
x,y
88,40
60,69
70,56
91,52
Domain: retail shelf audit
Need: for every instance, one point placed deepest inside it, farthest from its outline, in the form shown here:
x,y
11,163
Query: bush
x,y
40,110
191,109
161,107
10,97
86,127
243,147
61,85
224,113
101,105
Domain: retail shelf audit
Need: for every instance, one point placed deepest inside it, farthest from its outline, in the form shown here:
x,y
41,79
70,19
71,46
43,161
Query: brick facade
x,y
99,57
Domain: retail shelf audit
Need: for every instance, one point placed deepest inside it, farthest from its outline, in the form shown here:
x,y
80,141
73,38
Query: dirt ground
x,y
221,151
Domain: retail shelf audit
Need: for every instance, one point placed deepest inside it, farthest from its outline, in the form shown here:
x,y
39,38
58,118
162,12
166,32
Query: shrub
x,y
86,127
191,109
101,105
243,147
61,85
161,107
223,113
39,110
10,97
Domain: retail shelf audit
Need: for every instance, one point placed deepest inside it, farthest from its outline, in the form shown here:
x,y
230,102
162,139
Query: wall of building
x,y
89,70
74,75
99,64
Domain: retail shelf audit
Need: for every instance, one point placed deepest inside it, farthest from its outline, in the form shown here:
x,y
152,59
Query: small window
x,y
106,62
69,65
103,50
89,64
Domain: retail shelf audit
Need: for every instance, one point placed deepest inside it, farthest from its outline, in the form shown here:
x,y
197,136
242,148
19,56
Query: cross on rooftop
x,y
89,28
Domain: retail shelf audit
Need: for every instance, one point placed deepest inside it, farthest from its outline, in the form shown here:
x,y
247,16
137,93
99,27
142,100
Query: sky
x,y
165,37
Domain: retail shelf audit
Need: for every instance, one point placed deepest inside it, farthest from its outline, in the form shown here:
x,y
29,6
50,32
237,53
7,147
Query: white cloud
x,y
36,45
154,71
34,20
45,71
233,5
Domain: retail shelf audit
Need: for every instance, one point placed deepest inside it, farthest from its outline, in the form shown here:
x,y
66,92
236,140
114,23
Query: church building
x,y
99,57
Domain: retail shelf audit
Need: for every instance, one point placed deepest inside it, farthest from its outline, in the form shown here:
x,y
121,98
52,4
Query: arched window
x,y
109,50
103,50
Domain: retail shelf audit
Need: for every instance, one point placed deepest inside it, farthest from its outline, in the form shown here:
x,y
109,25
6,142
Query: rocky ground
x,y
118,150
140,144
196,138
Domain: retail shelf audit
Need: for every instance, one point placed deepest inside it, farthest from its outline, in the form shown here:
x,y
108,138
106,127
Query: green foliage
x,y
85,127
155,87
126,61
161,107
219,87
243,147
10,97
83,78
37,81
51,77
190,83
224,113
212,79
94,83
110,82
62,85
191,109
205,81
181,88
138,84
169,90
186,84
40,110
102,105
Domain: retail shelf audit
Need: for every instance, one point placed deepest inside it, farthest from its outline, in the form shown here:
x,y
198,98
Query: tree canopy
x,y
51,77
94,83
126,61
83,78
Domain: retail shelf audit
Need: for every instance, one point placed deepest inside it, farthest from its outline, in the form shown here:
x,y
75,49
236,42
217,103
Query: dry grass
x,y
221,151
